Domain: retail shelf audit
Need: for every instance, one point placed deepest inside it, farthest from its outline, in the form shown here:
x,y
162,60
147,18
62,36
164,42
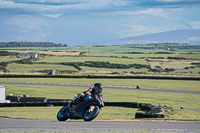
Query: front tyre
x,y
62,113
91,113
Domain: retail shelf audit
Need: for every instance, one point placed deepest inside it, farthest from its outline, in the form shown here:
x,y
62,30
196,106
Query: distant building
x,y
52,72
27,55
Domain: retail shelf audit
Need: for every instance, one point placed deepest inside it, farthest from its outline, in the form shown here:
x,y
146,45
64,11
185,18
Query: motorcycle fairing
x,y
82,106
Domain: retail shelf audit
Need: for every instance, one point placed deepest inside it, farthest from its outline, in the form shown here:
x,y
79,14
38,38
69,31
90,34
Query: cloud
x,y
147,24
196,24
26,27
169,0
149,11
113,7
52,5
170,3
28,22
52,15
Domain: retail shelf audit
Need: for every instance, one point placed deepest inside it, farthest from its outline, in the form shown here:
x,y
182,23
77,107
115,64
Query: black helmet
x,y
98,87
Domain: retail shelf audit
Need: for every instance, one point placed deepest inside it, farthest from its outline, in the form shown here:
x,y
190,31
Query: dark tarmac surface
x,y
26,125
107,87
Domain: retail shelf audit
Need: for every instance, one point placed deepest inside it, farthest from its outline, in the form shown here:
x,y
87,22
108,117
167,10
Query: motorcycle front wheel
x,y
91,113
62,113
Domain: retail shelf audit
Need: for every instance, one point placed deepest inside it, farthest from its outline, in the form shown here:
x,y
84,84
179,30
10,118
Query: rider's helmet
x,y
98,87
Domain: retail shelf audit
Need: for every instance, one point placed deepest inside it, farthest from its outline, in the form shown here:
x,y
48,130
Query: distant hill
x,y
190,36
30,44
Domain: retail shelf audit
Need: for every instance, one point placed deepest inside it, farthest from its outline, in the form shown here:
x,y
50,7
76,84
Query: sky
x,y
84,22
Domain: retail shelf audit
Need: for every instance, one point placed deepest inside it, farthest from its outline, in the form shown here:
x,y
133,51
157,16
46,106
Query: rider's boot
x,y
71,103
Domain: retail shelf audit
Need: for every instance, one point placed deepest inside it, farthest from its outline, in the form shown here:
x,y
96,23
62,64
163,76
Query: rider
x,y
137,87
94,91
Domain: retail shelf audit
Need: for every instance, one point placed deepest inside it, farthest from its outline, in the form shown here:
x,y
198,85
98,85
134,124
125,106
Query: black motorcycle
x,y
137,87
87,109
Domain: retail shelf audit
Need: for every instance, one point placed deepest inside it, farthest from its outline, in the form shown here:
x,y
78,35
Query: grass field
x,y
166,63
49,113
83,59
190,101
130,55
178,65
48,52
175,100
111,56
188,85
107,113
9,58
194,70
189,56
109,70
23,68
114,48
106,49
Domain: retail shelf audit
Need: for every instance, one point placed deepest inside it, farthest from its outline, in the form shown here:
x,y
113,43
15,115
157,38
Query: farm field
x,y
106,49
100,59
167,63
188,56
165,60
93,70
55,53
9,58
186,65
27,68
175,100
149,48
195,70
129,55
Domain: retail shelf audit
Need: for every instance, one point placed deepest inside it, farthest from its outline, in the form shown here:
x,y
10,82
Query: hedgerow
x,y
99,64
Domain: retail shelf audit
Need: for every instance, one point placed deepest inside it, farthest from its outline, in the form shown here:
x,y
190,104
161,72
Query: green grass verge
x,y
189,85
190,101
106,113
49,113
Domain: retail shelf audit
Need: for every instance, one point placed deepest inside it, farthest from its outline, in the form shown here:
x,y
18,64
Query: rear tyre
x,y
90,115
62,113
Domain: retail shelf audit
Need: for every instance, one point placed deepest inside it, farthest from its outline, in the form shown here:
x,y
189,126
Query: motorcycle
x,y
137,87
87,109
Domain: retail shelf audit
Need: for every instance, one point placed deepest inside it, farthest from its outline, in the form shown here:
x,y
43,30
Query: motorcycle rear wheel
x,y
62,114
90,115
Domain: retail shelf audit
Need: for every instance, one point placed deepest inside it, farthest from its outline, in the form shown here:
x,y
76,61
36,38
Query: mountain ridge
x,y
190,36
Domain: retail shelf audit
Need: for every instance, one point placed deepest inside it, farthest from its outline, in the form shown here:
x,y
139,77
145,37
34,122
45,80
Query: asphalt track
x,y
107,87
26,125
